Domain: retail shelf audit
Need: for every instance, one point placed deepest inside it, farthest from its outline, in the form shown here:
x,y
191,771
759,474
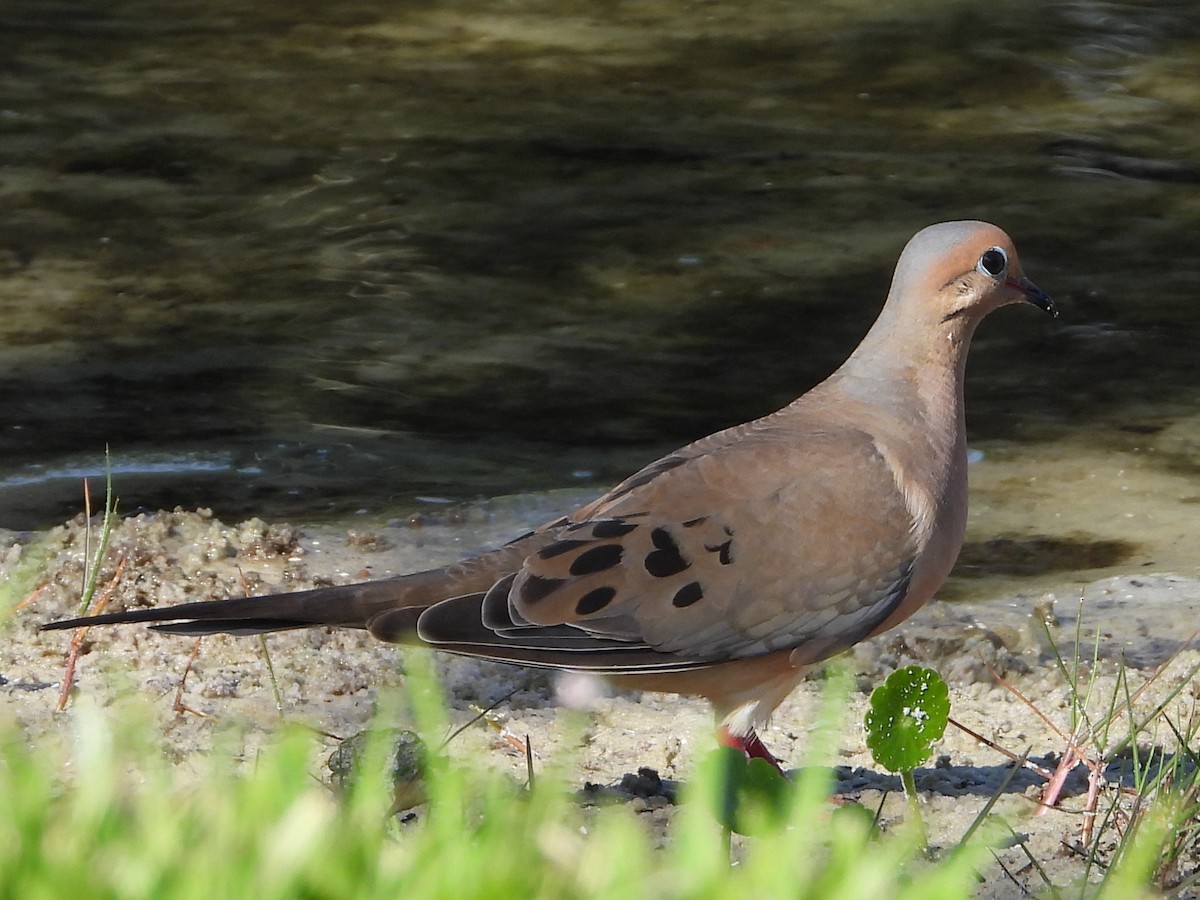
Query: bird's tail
x,y
344,606
402,598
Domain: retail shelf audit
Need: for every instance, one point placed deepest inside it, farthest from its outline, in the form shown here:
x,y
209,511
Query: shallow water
x,y
313,260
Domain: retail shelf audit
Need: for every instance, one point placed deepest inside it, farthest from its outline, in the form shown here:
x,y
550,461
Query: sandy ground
x,y
331,679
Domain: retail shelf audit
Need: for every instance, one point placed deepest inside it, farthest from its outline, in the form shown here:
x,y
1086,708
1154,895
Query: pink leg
x,y
750,744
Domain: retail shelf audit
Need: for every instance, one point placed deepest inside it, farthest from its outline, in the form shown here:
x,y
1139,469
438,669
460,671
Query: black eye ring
x,y
993,263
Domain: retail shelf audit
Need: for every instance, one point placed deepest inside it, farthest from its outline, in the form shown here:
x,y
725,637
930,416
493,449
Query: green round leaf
x,y
747,796
908,713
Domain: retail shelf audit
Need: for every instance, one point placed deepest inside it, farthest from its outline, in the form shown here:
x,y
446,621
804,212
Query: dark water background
x,y
300,260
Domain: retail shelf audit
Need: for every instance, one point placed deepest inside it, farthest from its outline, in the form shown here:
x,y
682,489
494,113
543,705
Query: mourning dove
x,y
728,567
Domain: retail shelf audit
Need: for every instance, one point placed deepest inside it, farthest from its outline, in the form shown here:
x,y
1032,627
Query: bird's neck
x,y
913,381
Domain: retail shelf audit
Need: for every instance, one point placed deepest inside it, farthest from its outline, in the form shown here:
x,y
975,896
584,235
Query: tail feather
x,y
345,606
240,627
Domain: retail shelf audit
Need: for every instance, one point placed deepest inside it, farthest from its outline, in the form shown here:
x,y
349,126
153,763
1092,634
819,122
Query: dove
x,y
729,567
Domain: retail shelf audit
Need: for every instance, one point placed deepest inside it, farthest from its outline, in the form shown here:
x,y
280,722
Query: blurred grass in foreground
x,y
99,812
96,810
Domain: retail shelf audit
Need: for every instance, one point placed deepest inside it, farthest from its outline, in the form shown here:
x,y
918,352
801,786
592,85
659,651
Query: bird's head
x,y
962,270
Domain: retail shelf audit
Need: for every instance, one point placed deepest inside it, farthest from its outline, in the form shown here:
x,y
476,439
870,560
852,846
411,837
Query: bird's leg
x,y
751,745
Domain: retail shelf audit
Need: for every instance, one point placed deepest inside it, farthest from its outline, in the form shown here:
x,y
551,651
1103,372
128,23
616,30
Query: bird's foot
x,y
751,745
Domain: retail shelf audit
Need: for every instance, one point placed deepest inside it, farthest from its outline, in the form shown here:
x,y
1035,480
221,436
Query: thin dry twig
x,y
529,761
1073,754
32,597
179,707
1023,759
484,715
68,680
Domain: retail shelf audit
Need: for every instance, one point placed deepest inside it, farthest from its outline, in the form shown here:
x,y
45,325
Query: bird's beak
x,y
1034,294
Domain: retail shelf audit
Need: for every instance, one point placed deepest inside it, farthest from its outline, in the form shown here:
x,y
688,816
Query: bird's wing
x,y
764,541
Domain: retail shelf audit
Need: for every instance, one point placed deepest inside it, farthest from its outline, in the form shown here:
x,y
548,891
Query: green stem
x,y
914,806
262,642
93,562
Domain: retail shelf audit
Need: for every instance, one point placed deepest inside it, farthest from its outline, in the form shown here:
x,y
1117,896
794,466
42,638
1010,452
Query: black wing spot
x,y
595,600
597,559
611,528
558,548
724,550
687,595
661,538
537,588
666,560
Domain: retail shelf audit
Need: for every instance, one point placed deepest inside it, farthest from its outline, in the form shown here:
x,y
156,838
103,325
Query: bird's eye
x,y
993,263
